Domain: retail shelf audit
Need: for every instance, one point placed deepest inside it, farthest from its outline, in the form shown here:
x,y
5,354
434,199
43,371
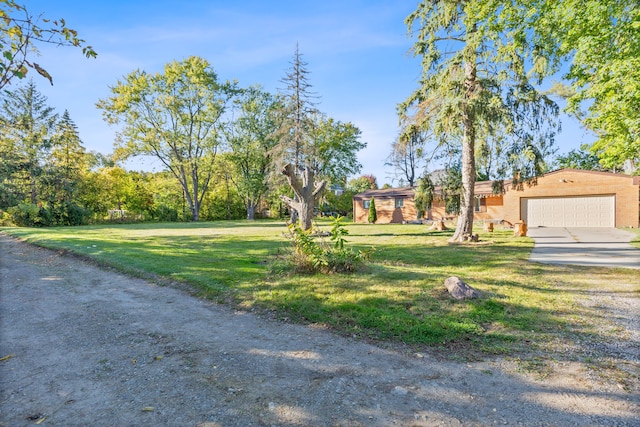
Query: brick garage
x,y
617,194
565,197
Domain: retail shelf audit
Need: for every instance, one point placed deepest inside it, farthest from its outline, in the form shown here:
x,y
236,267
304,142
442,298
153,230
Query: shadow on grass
x,y
398,297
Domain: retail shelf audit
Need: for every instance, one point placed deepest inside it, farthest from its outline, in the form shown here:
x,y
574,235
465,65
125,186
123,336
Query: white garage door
x,y
591,211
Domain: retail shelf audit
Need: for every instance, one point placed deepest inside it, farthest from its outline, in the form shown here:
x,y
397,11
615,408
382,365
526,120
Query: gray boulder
x,y
459,289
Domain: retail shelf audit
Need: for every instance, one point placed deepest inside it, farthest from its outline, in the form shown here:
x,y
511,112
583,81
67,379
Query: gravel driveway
x,y
83,346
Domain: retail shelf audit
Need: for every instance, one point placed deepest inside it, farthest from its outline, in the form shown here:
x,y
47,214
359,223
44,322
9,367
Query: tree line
x,y
221,146
230,170
478,105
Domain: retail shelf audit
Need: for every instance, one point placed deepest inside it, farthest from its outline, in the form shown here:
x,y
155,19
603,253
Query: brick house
x,y
562,198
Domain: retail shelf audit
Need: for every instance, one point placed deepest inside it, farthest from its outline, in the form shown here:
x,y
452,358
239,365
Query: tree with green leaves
x,y
313,148
251,137
478,62
27,130
580,159
602,40
175,116
21,32
334,147
362,184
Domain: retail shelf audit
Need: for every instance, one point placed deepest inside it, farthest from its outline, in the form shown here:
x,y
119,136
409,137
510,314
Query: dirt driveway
x,y
82,346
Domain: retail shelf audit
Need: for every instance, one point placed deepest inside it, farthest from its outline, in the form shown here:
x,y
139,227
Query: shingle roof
x,y
482,189
386,193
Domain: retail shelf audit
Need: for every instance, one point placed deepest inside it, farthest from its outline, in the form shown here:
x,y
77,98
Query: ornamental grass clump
x,y
313,254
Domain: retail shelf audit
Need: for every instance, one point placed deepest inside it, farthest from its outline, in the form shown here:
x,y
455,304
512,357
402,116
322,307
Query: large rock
x,y
459,289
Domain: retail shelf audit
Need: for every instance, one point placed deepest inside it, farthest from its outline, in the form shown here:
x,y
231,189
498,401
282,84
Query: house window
x,y
399,203
366,204
480,204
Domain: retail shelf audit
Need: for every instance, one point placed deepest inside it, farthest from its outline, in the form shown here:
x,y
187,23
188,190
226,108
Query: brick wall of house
x,y
386,210
490,209
562,183
568,182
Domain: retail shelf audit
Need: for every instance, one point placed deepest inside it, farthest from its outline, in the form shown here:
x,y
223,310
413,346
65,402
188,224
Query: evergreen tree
x,y
295,141
27,129
478,63
67,160
313,148
373,214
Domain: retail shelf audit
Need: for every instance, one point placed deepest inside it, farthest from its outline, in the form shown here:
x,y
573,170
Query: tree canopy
x,y
251,137
480,63
175,116
602,38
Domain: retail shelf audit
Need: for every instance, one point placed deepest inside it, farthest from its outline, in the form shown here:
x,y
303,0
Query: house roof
x,y
482,188
635,179
385,193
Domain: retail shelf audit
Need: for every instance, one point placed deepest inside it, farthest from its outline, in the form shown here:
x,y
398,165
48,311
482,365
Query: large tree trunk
x,y
465,219
251,209
307,193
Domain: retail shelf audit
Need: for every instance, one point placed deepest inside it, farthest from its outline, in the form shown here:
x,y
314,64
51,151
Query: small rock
x,y
400,391
459,289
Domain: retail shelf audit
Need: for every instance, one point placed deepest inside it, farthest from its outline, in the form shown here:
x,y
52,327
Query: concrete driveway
x,y
594,247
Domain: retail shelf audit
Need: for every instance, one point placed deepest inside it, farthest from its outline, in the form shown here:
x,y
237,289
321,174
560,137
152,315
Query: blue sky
x,y
357,53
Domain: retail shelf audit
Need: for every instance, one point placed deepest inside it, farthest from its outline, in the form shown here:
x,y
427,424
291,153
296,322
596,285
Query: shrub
x,y
25,214
45,215
313,254
373,215
166,213
5,219
68,213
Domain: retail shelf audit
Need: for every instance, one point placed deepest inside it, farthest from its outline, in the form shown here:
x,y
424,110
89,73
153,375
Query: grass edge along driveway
x,y
398,297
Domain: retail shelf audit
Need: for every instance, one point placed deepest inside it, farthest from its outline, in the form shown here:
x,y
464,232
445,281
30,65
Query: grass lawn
x,y
397,297
636,241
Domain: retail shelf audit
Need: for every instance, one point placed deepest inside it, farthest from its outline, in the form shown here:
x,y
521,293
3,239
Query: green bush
x,y
5,219
25,214
65,213
312,254
166,213
68,213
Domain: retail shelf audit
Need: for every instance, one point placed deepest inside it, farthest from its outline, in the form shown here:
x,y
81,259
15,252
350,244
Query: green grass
x,y
636,241
398,297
